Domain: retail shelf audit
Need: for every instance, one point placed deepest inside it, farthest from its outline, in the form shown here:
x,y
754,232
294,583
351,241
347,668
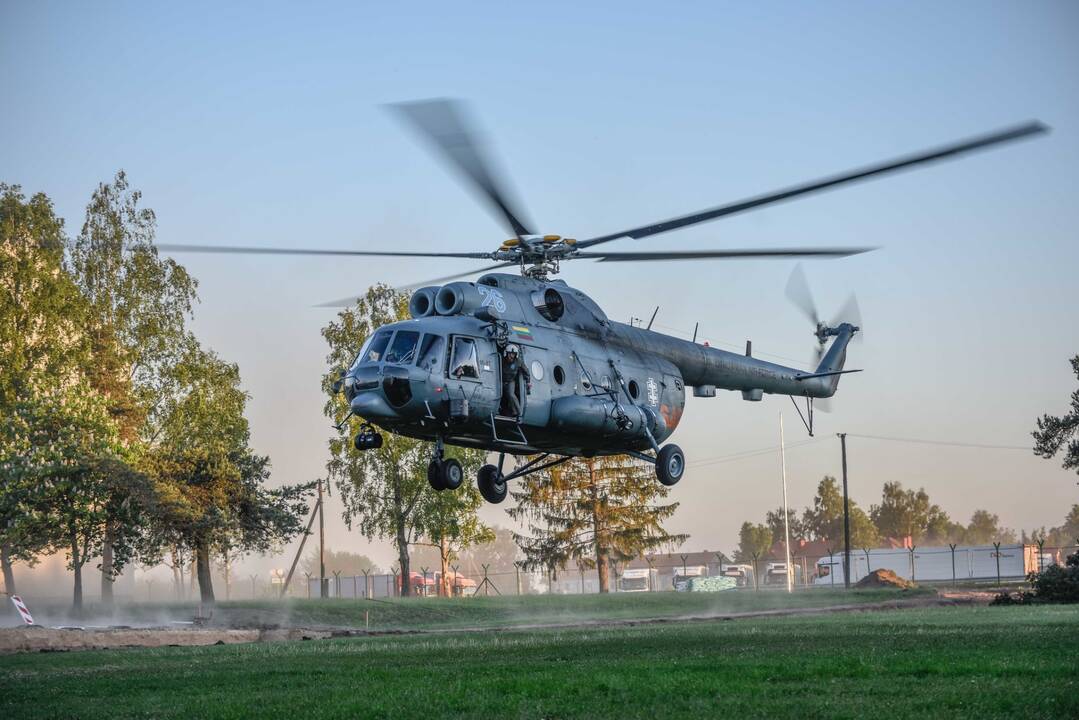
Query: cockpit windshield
x,y
374,348
403,349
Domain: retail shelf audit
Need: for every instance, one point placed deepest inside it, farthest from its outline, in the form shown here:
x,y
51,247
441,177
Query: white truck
x,y
636,580
927,564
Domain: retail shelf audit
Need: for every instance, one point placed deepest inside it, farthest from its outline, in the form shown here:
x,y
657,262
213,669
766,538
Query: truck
x,y
636,580
928,564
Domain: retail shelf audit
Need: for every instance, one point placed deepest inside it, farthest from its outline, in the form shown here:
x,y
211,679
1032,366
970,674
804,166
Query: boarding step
x,y
508,419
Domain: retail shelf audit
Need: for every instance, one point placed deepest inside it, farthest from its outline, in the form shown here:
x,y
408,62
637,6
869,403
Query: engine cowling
x,y
457,298
422,302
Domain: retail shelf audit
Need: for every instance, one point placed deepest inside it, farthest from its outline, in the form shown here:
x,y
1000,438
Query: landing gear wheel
x,y
434,475
491,483
670,464
451,474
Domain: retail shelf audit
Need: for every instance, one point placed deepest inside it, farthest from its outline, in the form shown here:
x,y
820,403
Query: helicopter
x,y
525,365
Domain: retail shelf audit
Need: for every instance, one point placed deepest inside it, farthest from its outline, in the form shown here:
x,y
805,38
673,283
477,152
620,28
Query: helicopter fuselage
x,y
594,386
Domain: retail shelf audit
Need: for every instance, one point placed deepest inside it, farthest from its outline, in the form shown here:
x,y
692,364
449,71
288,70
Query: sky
x,y
264,124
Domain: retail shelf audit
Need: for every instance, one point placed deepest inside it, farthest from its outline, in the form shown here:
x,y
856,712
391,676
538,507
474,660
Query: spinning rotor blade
x,y
170,247
798,293
850,313
350,301
721,254
907,161
443,124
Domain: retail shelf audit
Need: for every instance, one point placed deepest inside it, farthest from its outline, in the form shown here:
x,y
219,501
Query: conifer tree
x,y
593,511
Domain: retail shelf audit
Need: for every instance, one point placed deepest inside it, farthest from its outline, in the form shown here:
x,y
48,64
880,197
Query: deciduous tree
x,y
754,542
138,305
42,348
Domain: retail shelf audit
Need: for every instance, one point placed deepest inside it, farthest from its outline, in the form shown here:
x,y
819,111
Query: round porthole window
x,y
585,382
634,389
559,374
537,370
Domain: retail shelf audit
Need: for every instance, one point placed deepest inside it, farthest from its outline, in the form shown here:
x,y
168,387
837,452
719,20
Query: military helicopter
x,y
525,365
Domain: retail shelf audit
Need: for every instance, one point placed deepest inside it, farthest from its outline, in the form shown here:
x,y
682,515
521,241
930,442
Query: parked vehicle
x,y
927,564
636,580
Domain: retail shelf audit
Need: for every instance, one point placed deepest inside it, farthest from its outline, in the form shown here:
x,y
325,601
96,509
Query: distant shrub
x,y
1057,584
1054,584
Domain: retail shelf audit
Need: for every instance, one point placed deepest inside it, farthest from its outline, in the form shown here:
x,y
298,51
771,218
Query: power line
x,y
750,453
948,443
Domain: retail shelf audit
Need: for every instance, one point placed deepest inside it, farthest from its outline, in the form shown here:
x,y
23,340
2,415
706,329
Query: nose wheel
x,y
444,473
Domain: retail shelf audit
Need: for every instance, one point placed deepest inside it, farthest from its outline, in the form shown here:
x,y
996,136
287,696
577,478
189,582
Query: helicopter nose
x,y
371,404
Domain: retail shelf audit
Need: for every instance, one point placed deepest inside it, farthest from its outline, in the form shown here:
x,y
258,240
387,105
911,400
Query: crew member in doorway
x,y
515,379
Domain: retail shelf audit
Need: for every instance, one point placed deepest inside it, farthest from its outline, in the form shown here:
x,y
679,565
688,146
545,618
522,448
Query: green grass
x,y
503,611
1013,662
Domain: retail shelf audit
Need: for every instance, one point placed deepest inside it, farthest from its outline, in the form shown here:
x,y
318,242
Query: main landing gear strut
x,y
493,485
444,473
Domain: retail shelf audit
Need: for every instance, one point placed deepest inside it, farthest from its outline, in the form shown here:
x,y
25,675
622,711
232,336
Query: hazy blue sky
x,y
261,125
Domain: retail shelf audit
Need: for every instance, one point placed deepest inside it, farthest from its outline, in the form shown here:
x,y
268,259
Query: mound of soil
x,y
884,579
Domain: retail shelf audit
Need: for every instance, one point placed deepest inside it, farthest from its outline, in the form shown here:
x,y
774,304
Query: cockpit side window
x,y
403,349
430,351
464,363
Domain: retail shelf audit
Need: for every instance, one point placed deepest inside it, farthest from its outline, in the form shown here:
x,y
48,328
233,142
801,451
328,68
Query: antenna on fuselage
x,y
653,318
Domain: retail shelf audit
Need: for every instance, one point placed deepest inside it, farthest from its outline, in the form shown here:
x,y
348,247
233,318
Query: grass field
x,y
492,611
979,662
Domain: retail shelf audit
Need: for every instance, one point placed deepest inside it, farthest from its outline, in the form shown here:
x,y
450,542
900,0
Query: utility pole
x,y
321,546
846,514
786,519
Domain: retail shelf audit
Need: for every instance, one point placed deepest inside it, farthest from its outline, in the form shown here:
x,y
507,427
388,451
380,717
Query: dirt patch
x,y
884,579
37,638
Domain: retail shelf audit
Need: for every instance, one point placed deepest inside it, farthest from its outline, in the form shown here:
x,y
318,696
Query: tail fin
x,y
836,357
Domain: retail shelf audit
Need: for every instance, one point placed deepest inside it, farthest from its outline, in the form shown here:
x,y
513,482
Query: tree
x,y
138,304
1054,432
500,554
339,561
592,510
212,495
754,541
824,521
42,348
71,455
774,520
385,491
903,513
448,521
984,528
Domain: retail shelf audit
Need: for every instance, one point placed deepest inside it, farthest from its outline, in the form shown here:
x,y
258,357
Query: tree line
x,y
124,439
901,513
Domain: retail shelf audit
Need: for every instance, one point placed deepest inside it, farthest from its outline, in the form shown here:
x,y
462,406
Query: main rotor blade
x,y
350,301
443,124
907,161
722,254
798,292
247,250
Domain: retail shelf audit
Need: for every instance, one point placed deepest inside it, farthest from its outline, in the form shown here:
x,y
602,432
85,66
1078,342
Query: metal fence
x,y
933,565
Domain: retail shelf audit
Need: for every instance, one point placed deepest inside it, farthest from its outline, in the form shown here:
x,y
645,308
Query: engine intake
x,y
422,302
